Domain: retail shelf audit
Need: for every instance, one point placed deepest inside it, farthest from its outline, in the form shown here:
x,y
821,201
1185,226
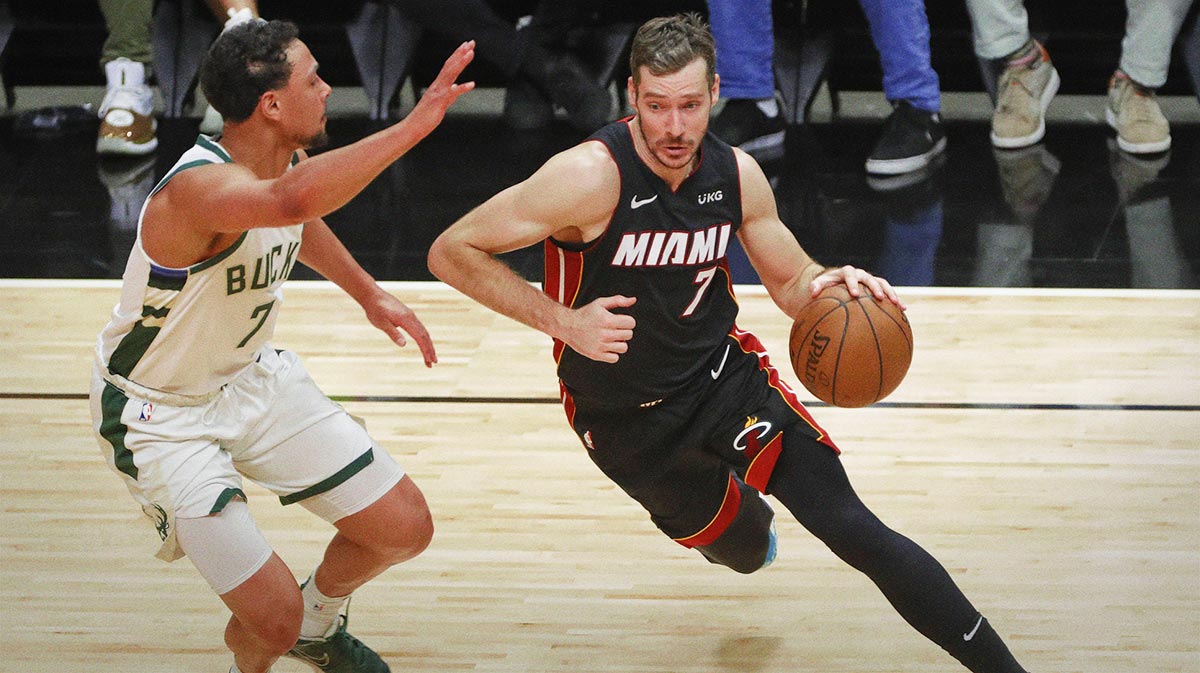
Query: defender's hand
x,y
444,90
391,315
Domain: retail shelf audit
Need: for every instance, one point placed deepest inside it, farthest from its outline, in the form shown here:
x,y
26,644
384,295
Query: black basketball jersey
x,y
667,249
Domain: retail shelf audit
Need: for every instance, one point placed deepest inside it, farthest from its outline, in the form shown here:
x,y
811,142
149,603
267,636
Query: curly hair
x,y
245,62
666,44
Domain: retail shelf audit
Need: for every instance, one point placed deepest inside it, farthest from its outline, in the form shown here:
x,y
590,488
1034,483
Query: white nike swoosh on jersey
x,y
717,372
635,203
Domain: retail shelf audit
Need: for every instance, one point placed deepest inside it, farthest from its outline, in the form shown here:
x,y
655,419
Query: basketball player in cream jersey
x,y
188,397
670,399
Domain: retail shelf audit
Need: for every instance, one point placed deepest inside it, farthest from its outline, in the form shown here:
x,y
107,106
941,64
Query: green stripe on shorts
x,y
223,499
341,476
112,403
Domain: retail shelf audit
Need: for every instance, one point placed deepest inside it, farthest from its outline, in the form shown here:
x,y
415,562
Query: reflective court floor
x,y
1070,212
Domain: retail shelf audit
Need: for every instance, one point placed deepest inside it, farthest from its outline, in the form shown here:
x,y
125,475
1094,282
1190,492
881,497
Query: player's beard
x,y
655,148
317,141
682,163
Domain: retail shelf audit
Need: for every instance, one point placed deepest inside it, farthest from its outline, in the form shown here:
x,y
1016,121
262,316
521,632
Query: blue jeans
x,y
900,30
745,38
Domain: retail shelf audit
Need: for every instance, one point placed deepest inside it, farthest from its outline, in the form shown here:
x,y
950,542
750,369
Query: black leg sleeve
x,y
744,546
810,481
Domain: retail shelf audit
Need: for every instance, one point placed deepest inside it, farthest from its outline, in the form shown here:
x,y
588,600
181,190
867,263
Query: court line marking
x,y
744,290
433,399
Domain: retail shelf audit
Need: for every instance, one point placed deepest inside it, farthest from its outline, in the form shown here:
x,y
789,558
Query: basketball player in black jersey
x,y
671,400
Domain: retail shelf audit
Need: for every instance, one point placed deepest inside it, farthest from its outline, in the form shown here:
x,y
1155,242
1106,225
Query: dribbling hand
x,y
855,279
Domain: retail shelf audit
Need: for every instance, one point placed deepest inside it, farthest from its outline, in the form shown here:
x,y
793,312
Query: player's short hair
x,y
245,62
667,44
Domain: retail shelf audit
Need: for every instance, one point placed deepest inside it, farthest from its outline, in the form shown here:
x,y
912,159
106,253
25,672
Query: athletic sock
x,y
320,611
237,17
1024,52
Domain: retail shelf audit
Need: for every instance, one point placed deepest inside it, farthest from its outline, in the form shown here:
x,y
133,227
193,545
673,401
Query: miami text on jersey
x,y
673,248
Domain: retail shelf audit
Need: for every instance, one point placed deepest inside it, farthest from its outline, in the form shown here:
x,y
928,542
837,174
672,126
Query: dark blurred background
x,y
1071,212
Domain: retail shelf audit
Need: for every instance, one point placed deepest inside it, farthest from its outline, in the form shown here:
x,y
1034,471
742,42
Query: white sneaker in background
x,y
129,182
212,123
127,122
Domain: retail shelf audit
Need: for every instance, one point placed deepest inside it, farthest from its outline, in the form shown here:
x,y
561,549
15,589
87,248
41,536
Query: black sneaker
x,y
744,125
525,108
911,139
564,80
902,181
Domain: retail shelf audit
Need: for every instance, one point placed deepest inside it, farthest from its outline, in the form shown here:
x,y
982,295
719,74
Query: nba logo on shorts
x,y
147,411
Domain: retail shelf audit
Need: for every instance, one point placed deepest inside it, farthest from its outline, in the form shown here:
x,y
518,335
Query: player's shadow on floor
x,y
747,655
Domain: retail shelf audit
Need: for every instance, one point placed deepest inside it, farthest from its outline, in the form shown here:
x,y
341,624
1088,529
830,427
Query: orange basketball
x,y
850,352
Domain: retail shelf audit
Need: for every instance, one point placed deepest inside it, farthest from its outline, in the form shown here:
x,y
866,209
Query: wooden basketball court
x,y
1045,447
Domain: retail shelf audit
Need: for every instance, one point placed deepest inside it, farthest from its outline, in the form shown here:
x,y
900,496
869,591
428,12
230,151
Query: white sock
x,y
320,611
768,106
237,16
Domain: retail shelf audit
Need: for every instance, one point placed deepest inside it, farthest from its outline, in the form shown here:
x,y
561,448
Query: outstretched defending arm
x,y
230,197
202,209
326,182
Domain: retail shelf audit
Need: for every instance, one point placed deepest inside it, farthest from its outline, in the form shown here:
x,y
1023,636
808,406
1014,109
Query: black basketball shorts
x,y
683,457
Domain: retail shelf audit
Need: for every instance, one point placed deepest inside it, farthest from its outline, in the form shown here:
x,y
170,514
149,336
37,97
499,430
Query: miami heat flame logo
x,y
748,439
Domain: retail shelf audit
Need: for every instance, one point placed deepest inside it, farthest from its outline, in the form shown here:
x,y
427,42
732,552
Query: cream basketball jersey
x,y
189,331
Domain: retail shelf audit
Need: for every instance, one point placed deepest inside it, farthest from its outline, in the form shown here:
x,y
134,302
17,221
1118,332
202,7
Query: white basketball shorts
x,y
185,457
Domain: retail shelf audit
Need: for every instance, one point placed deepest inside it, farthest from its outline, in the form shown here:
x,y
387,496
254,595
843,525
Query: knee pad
x,y
227,547
748,544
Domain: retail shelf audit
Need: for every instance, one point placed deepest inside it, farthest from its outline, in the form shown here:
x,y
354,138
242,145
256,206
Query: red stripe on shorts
x,y
750,344
724,517
763,464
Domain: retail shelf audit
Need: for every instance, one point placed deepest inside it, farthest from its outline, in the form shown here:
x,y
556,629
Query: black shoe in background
x,y
744,125
910,140
562,78
525,107
899,183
